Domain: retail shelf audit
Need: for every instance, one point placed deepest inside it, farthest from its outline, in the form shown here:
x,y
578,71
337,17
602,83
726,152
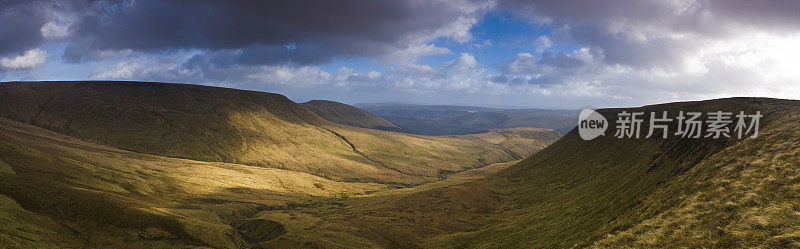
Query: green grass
x,y
22,229
5,168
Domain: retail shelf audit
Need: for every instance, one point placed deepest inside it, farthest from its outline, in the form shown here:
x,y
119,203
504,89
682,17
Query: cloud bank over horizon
x,y
545,54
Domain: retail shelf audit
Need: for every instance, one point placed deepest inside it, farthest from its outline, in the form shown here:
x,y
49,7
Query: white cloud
x,y
373,75
54,30
462,75
419,44
412,53
524,63
122,71
305,76
755,64
464,62
30,59
543,43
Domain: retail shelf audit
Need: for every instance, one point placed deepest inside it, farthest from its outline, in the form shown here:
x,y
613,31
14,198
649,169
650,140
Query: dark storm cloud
x,y
20,22
262,32
768,14
560,60
620,49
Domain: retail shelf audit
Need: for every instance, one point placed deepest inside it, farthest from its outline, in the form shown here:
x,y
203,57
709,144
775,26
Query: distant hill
x,y
349,115
457,120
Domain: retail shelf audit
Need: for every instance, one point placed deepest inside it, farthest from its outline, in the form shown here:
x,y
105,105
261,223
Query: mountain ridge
x,y
235,126
350,115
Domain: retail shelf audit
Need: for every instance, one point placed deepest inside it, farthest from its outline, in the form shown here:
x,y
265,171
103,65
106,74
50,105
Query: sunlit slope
x,y
57,191
744,196
349,115
610,192
520,141
424,155
575,191
236,126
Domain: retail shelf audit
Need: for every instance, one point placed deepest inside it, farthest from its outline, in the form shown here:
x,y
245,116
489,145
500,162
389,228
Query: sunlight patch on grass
x,y
5,168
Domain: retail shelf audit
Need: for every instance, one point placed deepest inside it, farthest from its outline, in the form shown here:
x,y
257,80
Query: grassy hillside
x,y
349,115
744,196
521,142
57,191
607,192
334,186
457,120
608,185
235,126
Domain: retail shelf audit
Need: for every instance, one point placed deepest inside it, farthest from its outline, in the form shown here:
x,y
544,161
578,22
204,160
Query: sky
x,y
494,53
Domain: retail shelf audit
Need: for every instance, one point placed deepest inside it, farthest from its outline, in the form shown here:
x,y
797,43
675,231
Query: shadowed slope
x,y
167,119
349,115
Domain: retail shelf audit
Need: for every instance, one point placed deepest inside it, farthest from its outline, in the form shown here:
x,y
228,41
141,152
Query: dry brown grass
x,y
743,197
201,198
153,201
